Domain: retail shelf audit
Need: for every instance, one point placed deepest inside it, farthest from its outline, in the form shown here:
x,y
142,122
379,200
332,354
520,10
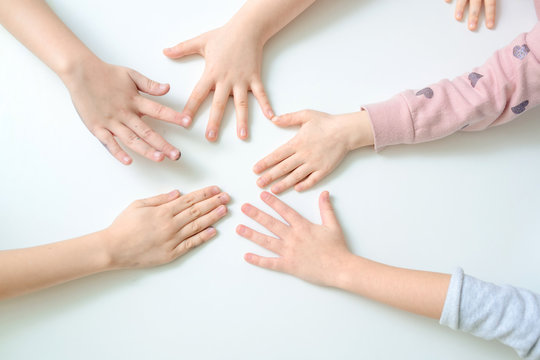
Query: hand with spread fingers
x,y
308,251
320,145
109,102
233,67
234,54
475,8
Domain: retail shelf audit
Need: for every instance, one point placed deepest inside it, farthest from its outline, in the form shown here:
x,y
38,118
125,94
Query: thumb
x,y
189,47
327,211
291,119
148,86
160,199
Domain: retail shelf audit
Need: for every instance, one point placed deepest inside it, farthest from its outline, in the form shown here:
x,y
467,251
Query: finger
x,y
107,139
257,89
328,215
281,169
275,157
194,241
275,226
158,111
267,242
152,138
460,8
201,208
186,201
202,223
198,95
264,262
241,106
491,8
159,199
221,97
311,180
284,210
474,12
299,174
137,144
188,47
148,86
291,119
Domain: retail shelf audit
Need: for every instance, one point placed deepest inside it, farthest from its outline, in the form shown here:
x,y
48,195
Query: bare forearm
x,y
419,292
31,269
37,27
264,18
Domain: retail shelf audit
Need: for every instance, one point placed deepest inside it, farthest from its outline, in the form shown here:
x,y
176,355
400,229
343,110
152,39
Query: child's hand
x,y
315,253
233,67
321,143
158,230
474,12
108,101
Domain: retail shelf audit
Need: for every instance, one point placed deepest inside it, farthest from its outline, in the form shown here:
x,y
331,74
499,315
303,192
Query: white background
x,y
469,200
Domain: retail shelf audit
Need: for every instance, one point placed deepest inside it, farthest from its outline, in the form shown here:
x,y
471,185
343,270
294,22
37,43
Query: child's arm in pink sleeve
x,y
497,92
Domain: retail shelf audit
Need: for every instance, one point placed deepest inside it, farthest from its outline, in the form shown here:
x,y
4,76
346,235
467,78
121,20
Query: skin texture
x,y
233,55
107,97
475,8
320,145
148,232
319,254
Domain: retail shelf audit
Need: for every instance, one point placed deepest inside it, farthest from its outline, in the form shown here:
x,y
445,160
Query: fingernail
x,y
173,193
157,155
211,134
215,190
126,159
163,87
261,182
490,24
243,132
224,198
211,230
175,154
471,25
276,189
241,229
459,14
186,120
270,113
265,195
221,210
275,118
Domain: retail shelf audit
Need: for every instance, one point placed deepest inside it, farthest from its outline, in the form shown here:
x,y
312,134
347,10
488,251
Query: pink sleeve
x,y
497,92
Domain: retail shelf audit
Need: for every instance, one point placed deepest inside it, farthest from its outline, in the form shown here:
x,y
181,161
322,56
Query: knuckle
x,y
242,103
147,133
195,212
132,138
189,200
195,227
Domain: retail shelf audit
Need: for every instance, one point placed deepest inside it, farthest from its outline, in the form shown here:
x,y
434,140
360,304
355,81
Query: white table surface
x,y
469,200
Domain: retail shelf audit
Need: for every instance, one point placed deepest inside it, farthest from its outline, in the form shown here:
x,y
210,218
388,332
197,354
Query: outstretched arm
x,y
319,254
504,87
233,55
106,97
149,232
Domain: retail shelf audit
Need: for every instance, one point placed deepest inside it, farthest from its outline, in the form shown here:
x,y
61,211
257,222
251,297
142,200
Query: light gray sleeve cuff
x,y
509,314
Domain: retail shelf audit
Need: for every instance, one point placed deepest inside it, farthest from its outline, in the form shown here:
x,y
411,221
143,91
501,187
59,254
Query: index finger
x,y
275,157
491,6
188,200
158,111
284,210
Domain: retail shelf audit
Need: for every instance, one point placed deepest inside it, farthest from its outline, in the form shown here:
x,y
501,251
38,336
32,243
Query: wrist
x,y
72,70
98,254
357,130
349,271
